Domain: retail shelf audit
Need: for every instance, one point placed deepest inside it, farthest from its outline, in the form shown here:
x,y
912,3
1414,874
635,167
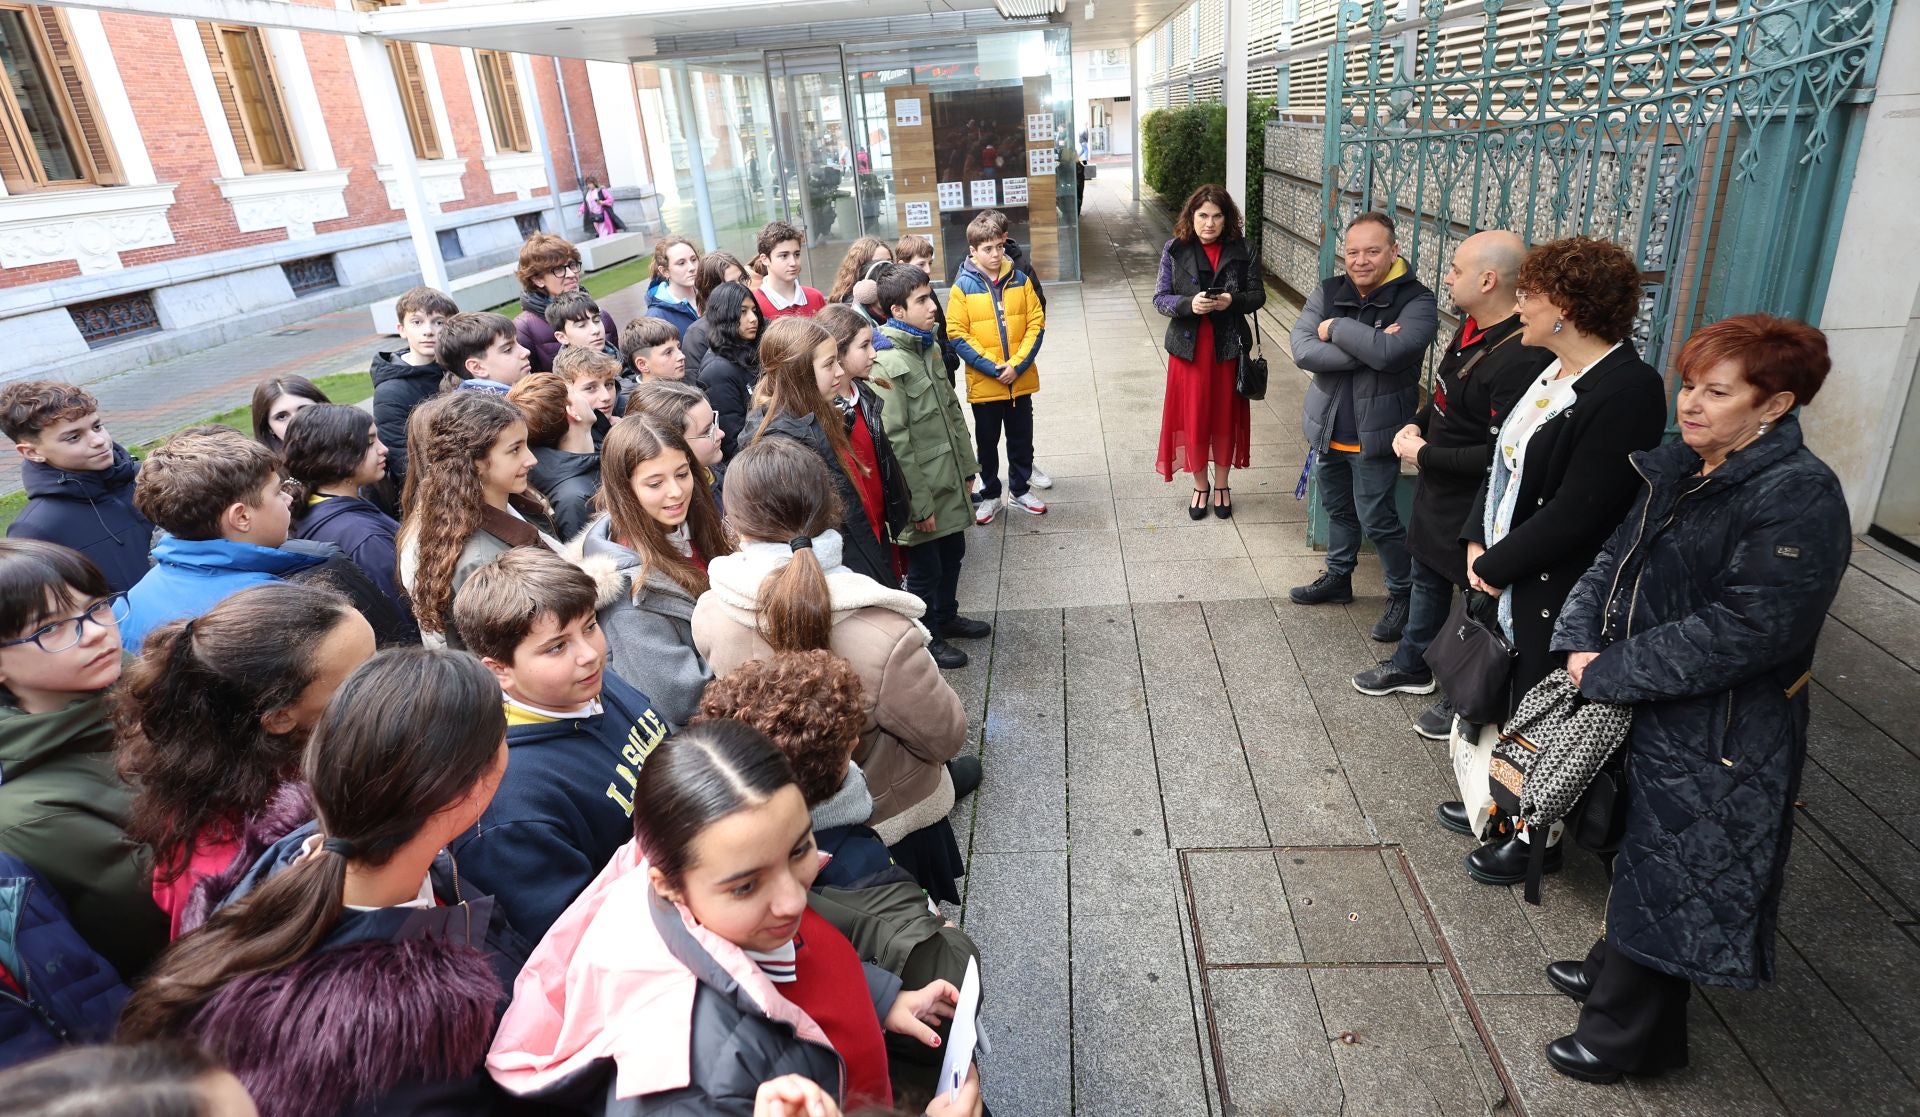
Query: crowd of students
x,y
569,734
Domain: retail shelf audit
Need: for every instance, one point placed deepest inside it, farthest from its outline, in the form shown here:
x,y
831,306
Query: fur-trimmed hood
x,y
288,810
614,568
736,580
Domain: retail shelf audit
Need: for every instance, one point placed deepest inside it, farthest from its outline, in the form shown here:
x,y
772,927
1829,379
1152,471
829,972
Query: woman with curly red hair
x,y
1560,479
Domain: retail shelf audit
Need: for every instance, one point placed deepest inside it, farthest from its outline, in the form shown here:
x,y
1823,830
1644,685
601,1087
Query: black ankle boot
x,y
1570,978
1504,861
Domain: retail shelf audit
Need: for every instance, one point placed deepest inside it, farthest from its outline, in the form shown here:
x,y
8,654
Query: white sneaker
x,y
1039,479
1028,503
983,512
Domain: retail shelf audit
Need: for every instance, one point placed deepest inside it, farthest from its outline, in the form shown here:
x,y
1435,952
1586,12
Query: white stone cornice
x,y
292,200
90,226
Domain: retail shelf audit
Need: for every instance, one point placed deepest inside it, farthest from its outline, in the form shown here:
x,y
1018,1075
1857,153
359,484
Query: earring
x,y
1765,427
1558,324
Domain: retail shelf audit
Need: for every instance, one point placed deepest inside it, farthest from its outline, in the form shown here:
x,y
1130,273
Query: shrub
x,y
1186,148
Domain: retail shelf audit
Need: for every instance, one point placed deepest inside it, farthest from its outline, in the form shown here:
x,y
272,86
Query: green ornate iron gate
x,y
1714,139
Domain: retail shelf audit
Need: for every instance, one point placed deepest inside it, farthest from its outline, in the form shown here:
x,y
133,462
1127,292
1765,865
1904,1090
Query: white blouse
x,y
1544,399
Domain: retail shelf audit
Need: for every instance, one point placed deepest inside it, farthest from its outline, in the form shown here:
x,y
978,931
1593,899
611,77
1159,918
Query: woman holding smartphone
x,y
1209,286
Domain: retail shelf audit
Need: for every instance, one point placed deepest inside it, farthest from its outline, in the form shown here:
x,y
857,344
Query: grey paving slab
x,y
1023,794
1879,612
1883,775
1024,554
1858,672
1081,586
1017,915
1719,1077
1346,909
1395,1047
1113,782
1521,1027
1079,515
1210,538
1273,1044
1272,540
1210,579
1241,905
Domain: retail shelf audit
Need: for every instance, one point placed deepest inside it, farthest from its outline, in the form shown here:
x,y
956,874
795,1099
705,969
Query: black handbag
x,y
1250,373
1473,660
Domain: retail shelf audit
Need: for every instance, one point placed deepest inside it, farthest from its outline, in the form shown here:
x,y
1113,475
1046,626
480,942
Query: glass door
x,y
819,188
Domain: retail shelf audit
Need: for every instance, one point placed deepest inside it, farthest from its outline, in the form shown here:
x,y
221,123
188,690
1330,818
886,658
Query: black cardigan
x,y
1576,486
1183,267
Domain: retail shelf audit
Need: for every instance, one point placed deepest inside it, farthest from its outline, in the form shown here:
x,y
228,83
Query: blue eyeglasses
x,y
63,634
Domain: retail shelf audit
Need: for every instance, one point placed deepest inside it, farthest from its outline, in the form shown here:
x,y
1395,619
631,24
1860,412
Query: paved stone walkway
x,y
1205,874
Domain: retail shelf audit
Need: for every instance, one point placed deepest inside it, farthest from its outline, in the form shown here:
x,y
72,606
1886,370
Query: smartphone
x,y
1214,292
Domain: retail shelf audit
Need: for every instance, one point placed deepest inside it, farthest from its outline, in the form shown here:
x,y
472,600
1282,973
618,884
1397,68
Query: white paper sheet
x,y
953,195
906,112
961,1037
984,193
1013,191
919,215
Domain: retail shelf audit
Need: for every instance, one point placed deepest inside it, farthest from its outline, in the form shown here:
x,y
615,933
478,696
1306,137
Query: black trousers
x,y
1015,416
1635,1019
933,576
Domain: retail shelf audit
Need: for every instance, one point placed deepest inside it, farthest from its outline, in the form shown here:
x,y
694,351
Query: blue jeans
x,y
1357,490
1426,612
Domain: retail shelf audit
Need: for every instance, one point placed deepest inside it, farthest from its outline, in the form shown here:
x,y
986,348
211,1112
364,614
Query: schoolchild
x,y
467,500
786,590
929,438
481,353
577,736
860,409
578,324
651,350
57,989
63,808
731,369
79,481
672,289
998,326
694,970
861,256
715,268
566,467
682,406
213,718
801,375
276,402
226,513
648,556
917,251
336,455
356,971
107,1080
781,294
410,375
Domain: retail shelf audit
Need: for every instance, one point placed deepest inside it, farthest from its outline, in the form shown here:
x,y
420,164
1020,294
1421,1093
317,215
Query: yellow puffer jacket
x,y
991,322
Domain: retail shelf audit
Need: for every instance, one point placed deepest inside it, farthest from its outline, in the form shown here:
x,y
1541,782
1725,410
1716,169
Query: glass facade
x,y
874,139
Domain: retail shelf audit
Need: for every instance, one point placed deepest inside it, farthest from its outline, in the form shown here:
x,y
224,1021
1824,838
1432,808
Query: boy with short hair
x,y
781,293
998,325
577,324
577,735
481,352
650,347
219,497
593,379
79,481
929,437
410,375
560,424
917,251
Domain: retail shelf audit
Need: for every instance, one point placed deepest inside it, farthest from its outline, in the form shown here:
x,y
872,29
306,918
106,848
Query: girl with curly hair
x,y
213,717
861,256
648,556
467,500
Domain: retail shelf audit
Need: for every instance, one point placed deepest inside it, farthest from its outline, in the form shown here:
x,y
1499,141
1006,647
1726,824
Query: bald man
x,y
1451,441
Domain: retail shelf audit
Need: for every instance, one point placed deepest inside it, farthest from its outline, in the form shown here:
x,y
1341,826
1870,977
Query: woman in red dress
x,y
1209,286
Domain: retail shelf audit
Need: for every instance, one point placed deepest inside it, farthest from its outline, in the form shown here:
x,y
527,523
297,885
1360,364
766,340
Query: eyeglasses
x,y
64,634
713,431
564,269
290,487
1520,297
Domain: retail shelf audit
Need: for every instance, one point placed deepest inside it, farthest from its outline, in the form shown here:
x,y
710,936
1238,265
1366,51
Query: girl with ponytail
x,y
352,975
693,969
800,378
213,719
786,590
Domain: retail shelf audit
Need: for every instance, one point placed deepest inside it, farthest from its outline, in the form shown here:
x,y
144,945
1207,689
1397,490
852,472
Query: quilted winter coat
x,y
1704,607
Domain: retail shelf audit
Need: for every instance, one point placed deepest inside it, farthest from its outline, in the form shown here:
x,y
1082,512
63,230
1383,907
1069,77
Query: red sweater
x,y
830,986
811,303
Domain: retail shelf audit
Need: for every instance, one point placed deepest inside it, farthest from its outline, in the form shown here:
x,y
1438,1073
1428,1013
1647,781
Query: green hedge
x,y
1187,148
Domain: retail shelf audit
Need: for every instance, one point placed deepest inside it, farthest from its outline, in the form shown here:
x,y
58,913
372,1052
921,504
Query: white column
x,y
1234,89
193,57
110,96
696,156
530,94
387,121
618,112
1139,110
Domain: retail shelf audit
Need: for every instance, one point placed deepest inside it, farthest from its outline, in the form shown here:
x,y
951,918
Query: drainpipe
x,y
566,114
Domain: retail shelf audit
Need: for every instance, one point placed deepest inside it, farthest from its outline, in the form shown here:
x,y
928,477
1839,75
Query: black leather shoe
x,y
947,656
1570,978
1453,815
1388,679
966,628
1328,589
965,771
1435,723
1573,1060
1504,861
1393,622
1224,511
1197,507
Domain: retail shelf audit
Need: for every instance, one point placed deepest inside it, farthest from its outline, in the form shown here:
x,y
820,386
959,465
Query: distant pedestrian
x,y
596,210
1363,335
1210,286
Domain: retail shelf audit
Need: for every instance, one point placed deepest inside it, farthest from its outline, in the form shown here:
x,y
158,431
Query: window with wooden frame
x,y
250,97
51,135
412,82
501,91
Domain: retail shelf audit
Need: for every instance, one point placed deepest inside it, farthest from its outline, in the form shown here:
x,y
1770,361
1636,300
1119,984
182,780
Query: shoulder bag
x,y
1473,660
1250,373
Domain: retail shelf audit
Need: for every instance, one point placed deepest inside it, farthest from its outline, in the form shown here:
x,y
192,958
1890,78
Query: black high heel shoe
x,y
1224,511
1198,510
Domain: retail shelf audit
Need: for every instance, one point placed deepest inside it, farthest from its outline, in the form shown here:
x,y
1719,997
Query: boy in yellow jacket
x,y
996,324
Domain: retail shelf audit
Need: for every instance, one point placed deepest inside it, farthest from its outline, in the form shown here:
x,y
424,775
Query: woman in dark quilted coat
x,y
1701,613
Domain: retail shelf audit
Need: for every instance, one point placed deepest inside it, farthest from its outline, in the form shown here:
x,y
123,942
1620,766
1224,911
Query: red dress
x,y
1204,419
